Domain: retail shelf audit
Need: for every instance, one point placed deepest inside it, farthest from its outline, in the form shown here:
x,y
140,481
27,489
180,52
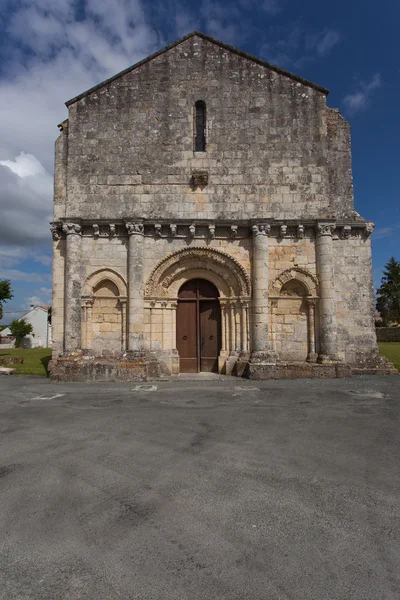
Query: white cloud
x,y
297,47
16,275
360,99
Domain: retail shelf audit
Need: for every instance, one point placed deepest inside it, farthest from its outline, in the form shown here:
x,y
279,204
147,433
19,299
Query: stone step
x,y
6,371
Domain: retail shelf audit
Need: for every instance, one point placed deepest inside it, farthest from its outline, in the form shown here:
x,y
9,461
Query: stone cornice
x,y
210,229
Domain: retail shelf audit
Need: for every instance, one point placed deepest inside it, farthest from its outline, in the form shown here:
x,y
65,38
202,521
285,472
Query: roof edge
x,y
251,57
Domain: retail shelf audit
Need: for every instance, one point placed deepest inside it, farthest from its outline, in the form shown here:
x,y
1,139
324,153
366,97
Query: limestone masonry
x,y
204,220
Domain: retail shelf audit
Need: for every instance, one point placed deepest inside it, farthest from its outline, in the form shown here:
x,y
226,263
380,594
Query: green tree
x,y
5,294
19,329
388,295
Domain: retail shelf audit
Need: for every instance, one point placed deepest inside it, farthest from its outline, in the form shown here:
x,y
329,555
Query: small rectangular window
x,y
200,126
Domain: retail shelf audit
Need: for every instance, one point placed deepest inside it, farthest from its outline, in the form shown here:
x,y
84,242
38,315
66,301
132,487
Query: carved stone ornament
x,y
135,228
300,231
56,230
282,230
263,229
346,232
157,229
199,178
96,230
225,267
173,229
325,228
211,230
369,228
234,230
192,230
112,229
71,229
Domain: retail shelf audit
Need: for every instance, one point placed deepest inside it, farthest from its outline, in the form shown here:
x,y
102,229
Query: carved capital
x,y
173,228
311,302
72,228
261,229
112,229
56,230
135,228
192,230
325,229
234,230
300,231
96,230
157,229
211,230
282,230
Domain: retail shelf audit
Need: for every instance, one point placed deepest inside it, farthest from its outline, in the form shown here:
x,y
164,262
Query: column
x,y
311,357
325,257
89,327
174,306
260,344
232,326
72,302
274,306
135,287
223,325
123,324
243,325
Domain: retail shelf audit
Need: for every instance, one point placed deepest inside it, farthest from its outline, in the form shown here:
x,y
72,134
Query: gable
x,y
203,36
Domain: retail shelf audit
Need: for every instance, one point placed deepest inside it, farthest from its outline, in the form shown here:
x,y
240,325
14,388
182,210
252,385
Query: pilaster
x,y
135,286
327,304
72,293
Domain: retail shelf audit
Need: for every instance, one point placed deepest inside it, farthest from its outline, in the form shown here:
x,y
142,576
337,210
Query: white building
x,y
41,328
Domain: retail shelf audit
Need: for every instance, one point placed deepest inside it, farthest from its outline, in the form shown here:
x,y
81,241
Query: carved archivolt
x,y
309,281
103,275
225,272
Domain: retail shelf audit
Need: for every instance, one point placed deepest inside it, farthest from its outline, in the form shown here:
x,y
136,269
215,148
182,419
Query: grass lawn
x,y
392,351
35,360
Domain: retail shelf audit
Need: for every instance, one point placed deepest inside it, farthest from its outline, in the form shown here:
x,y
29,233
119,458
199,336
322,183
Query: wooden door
x,y
210,317
198,327
186,336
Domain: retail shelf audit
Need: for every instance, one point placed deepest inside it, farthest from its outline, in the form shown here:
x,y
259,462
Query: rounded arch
x,y
306,279
225,272
102,275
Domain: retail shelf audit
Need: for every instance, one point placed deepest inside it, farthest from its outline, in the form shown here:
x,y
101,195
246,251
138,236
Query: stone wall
x,y
388,334
269,152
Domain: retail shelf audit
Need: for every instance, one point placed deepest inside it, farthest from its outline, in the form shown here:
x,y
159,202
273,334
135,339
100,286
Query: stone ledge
x,y
314,371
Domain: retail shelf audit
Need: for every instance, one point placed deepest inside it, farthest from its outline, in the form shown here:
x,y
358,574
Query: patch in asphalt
x,y
246,388
367,393
144,388
53,397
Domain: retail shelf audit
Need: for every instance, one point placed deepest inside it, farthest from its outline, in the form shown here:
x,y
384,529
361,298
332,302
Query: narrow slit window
x,y
200,126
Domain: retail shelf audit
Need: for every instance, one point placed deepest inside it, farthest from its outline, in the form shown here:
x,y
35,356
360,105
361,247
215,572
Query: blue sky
x,y
51,50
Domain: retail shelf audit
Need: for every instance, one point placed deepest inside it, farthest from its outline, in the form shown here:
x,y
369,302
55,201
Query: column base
x,y
312,357
268,357
325,359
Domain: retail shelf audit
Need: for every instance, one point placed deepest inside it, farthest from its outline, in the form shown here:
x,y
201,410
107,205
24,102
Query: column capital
x,y
325,229
72,228
134,227
261,229
311,301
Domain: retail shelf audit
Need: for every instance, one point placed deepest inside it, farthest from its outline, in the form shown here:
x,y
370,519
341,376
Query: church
x,y
204,221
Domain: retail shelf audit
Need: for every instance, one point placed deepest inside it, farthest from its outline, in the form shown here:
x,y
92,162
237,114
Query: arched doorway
x,y
198,326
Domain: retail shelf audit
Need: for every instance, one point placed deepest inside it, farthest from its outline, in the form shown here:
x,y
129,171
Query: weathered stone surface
x,y
265,213
11,360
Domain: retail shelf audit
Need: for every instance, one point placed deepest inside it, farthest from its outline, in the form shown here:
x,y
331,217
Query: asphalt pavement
x,y
200,489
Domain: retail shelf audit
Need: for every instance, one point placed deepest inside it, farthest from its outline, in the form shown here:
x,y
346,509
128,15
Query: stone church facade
x,y
204,220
